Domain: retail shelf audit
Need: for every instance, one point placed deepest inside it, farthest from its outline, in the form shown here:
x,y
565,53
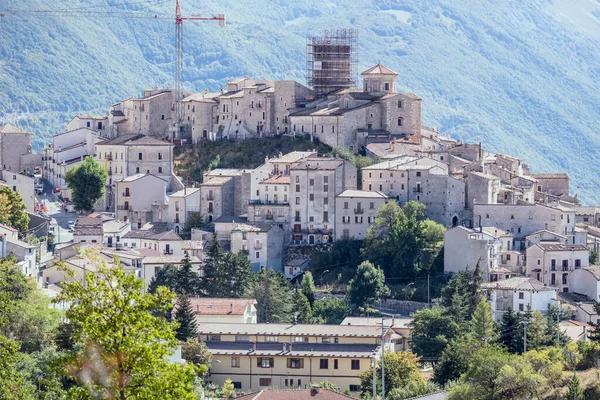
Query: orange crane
x,y
178,18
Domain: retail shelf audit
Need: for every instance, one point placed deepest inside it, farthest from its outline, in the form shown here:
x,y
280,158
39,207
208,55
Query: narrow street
x,y
60,218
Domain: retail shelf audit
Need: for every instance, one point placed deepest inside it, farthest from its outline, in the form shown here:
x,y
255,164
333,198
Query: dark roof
x,y
169,235
341,350
135,140
88,231
231,219
87,222
561,247
594,270
319,163
295,394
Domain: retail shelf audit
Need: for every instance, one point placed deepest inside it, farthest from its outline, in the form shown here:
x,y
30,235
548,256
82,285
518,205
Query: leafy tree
x,y
301,308
12,210
86,181
461,295
433,329
123,347
13,385
167,276
331,311
595,335
232,276
455,359
537,331
593,256
554,335
483,327
228,391
401,369
273,295
402,241
342,258
575,392
368,285
184,315
511,329
412,389
194,220
308,287
196,352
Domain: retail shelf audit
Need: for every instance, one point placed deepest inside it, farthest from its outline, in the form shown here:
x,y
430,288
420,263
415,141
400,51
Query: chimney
x,y
231,308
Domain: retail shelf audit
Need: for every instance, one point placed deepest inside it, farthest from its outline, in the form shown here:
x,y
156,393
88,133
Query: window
x,y
311,197
235,362
264,362
399,103
295,363
565,278
354,388
335,364
521,295
242,338
325,200
325,188
325,179
372,205
577,263
311,182
297,188
160,170
257,254
326,340
345,205
300,339
418,173
272,338
212,338
521,307
297,200
237,385
325,216
400,121
159,156
324,363
355,364
264,382
386,86
139,156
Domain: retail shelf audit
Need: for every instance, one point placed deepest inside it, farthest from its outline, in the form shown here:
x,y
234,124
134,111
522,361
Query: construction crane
x,y
178,18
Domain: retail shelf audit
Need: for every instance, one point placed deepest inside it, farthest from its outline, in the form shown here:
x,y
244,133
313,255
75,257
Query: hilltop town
x,y
534,243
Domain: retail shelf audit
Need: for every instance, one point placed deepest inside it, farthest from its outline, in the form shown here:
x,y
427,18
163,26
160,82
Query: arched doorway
x,y
205,134
454,221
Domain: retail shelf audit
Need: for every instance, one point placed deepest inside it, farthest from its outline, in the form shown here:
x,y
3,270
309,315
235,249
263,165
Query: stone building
x,y
241,186
141,198
355,212
24,184
217,197
181,205
314,183
272,203
262,243
14,143
353,118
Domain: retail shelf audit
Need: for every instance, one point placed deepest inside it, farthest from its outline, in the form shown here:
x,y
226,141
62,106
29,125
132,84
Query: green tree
x,y
308,287
194,220
86,181
401,369
402,241
554,335
228,391
196,352
184,315
123,346
511,328
537,331
432,330
455,359
188,280
595,334
342,258
593,256
13,385
211,266
461,294
368,285
273,295
483,327
575,392
167,276
331,311
412,389
232,276
301,308
12,210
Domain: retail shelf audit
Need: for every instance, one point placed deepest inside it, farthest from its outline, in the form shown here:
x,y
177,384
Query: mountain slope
x,y
520,78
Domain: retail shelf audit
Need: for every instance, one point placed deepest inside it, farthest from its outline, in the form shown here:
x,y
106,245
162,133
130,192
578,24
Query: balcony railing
x,y
359,211
257,246
316,231
268,202
269,216
126,208
126,194
210,198
296,219
168,252
418,190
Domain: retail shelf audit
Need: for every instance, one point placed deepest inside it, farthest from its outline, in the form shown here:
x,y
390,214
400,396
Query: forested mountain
x,y
520,77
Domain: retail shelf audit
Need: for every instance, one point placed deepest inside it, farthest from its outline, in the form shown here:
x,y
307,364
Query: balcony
x,y
168,252
210,197
316,231
257,246
126,194
359,211
123,208
296,219
268,202
269,216
418,190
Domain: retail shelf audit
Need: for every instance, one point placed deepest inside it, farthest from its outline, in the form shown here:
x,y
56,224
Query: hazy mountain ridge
x,y
520,78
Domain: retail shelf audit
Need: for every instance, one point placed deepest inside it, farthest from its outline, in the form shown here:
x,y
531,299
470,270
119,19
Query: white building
x,y
262,243
141,198
24,184
181,205
356,211
516,294
113,232
586,281
551,263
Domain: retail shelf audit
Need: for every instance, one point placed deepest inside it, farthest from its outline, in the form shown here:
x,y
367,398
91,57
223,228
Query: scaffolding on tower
x,y
332,61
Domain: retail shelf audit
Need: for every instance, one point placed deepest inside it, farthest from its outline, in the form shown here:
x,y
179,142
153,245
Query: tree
x,y
342,258
593,256
273,295
483,327
537,331
554,334
194,220
232,276
184,315
368,285
575,392
228,390
86,181
461,295
511,329
401,241
330,311
595,335
433,329
308,287
123,346
196,352
412,389
12,210
213,257
188,280
401,369
455,359
13,385
301,308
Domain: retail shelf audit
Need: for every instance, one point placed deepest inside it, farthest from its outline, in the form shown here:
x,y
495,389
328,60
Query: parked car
x,y
71,225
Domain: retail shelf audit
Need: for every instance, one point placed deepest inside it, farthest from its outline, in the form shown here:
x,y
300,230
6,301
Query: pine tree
x,y
273,295
511,331
301,309
187,280
575,391
483,327
537,331
184,315
232,276
211,266
308,287
228,390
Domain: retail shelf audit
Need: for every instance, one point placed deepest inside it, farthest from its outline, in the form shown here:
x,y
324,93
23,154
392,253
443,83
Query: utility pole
x,y
375,376
525,322
382,360
428,297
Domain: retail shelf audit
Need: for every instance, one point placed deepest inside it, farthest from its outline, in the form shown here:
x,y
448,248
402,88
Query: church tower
x,y
379,79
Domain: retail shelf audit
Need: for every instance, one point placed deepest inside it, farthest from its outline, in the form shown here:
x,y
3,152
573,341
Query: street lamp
x,y
323,273
406,290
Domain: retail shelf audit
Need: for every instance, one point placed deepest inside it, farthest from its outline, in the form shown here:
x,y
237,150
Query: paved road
x,y
60,218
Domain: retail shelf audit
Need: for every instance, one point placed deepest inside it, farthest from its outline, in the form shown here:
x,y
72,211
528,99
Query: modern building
x,y
221,310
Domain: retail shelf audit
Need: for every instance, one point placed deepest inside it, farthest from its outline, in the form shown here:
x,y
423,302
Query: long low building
x,y
256,356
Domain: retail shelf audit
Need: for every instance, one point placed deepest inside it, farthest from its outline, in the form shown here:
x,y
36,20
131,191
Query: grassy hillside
x,y
520,77
197,159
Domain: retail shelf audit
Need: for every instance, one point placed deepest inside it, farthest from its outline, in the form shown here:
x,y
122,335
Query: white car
x,y
71,225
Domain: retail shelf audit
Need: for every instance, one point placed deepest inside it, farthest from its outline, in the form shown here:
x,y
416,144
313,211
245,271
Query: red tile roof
x,y
296,394
379,70
217,306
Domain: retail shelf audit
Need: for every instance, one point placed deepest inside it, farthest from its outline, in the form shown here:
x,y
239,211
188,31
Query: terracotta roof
x,y
219,306
295,394
277,180
379,70
518,283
